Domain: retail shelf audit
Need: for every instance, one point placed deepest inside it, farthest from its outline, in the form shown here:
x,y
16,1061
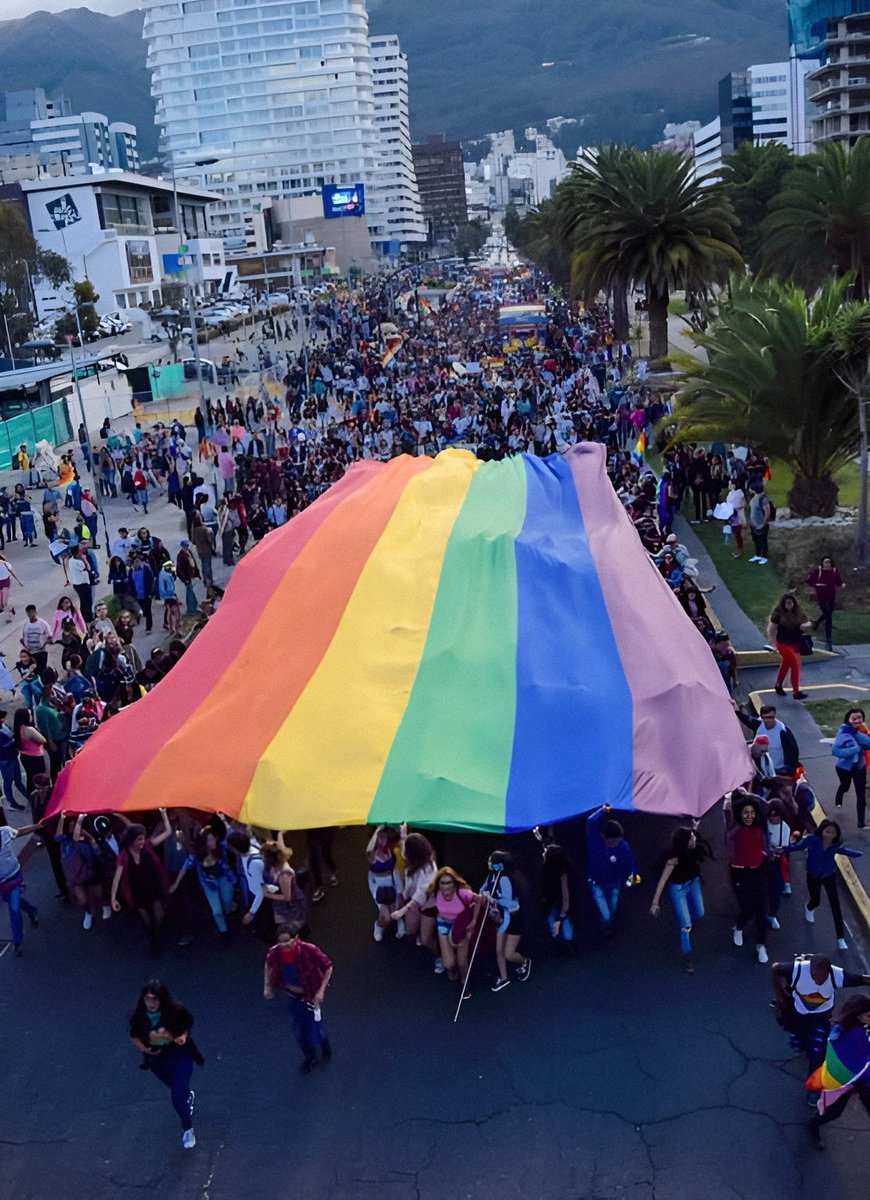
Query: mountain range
x,y
620,68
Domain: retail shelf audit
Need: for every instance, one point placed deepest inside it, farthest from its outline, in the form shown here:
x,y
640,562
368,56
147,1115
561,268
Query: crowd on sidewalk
x,y
345,398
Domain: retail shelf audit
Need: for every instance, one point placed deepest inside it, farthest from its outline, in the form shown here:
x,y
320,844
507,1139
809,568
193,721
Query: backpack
x,y
772,507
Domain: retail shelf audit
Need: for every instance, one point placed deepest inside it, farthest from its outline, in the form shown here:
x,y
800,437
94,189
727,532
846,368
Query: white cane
x,y
476,944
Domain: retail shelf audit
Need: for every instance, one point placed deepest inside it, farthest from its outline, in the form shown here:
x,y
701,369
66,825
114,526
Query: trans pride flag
x,y
462,644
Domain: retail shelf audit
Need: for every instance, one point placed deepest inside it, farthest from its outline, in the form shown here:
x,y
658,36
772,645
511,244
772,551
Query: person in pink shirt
x,y
453,900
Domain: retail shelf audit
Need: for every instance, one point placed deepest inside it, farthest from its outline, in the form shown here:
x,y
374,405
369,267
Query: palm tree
x,y
641,217
820,221
778,377
752,177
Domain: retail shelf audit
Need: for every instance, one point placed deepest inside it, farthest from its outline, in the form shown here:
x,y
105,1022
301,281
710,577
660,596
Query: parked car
x,y
209,370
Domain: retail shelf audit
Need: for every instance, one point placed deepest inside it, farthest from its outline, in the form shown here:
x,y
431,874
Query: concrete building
x,y
395,213
280,225
769,91
263,99
40,137
115,229
839,87
678,137
441,180
707,150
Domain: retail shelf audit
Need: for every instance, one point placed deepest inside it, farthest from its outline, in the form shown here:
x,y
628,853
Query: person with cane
x,y
498,889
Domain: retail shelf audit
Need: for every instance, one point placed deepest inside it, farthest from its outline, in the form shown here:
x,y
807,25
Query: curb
x,y
847,872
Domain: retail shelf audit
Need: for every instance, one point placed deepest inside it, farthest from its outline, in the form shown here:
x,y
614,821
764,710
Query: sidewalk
x,y
844,675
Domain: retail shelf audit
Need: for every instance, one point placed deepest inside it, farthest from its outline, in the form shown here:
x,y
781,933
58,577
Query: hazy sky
x,y
10,9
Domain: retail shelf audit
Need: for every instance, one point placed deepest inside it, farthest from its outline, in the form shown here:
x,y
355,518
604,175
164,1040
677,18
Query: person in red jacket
x,y
825,580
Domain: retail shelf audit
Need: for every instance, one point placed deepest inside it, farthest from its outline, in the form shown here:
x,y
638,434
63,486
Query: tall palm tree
x,y
641,217
778,376
820,222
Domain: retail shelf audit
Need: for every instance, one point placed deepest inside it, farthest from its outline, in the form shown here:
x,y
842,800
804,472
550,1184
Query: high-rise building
x,y
735,110
261,98
768,89
441,180
839,86
395,214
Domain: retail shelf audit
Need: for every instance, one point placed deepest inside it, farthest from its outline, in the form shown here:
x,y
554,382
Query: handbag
x,y
806,645
385,894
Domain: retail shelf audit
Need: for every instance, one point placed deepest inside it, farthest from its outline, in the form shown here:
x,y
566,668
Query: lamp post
x,y
90,456
191,307
72,281
863,541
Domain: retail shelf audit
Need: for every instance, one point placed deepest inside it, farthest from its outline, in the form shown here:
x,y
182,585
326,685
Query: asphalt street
x,y
612,1075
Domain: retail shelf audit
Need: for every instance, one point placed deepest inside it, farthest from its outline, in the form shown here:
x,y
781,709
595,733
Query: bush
x,y
794,551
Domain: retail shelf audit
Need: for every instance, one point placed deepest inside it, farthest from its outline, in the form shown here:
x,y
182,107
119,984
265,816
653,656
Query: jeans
x,y
606,900
174,1068
775,884
190,599
826,608
11,775
566,926
308,1032
688,907
219,896
144,603
13,895
83,591
320,854
759,539
858,776
815,883
750,887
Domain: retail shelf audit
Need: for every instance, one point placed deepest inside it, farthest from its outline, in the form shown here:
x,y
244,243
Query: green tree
x,y
777,377
752,178
820,221
21,258
641,217
540,237
471,237
85,300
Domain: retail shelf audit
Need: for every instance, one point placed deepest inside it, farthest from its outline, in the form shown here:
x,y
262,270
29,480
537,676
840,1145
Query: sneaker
x,y
379,932
107,911
738,936
779,689
439,966
319,893
188,1139
786,891
186,939
762,954
689,965
761,561
333,881
525,970
400,927
308,1066
87,921
810,915
841,944
500,984
800,696
754,558
774,924
466,993
34,920
191,1101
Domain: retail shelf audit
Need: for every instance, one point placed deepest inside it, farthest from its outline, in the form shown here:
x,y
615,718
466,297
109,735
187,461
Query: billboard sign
x,y
344,201
63,211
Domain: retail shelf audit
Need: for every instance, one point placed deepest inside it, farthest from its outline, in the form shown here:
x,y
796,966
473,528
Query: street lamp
x,y
191,306
71,277
8,338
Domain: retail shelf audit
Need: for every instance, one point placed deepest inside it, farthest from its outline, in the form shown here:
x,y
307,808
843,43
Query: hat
x,y
762,740
670,539
184,542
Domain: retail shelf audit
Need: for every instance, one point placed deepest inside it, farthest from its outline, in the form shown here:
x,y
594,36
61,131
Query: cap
x,y
762,740
184,542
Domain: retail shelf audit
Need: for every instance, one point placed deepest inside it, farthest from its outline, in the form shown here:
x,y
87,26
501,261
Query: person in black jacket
x,y
783,748
160,1027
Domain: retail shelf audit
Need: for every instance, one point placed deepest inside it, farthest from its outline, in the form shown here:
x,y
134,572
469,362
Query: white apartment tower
x,y
261,98
394,210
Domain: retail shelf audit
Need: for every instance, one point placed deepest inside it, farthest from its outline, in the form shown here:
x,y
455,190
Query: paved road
x,y
612,1076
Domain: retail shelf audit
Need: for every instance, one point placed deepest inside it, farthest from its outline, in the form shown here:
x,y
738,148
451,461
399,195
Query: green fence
x,y
49,422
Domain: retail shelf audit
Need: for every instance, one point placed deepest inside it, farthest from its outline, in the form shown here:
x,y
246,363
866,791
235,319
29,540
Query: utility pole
x,y
863,542
191,306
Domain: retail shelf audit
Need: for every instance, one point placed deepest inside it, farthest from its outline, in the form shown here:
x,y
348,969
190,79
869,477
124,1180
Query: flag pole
x,y
498,874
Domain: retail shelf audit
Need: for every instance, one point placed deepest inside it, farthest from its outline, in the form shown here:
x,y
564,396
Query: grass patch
x,y
782,479
758,589
827,714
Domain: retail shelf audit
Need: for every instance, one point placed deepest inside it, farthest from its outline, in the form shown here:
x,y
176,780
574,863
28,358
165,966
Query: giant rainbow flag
x,y
463,644
847,1059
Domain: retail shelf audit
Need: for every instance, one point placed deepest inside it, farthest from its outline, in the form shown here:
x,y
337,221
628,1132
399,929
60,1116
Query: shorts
x,y
430,912
513,927
444,925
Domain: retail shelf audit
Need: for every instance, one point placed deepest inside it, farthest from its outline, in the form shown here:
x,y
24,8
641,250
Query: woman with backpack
x,y
160,1028
457,907
851,749
504,908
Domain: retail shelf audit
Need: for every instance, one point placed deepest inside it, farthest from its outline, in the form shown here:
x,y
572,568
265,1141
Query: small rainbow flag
x,y
447,641
424,304
641,443
847,1058
394,343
